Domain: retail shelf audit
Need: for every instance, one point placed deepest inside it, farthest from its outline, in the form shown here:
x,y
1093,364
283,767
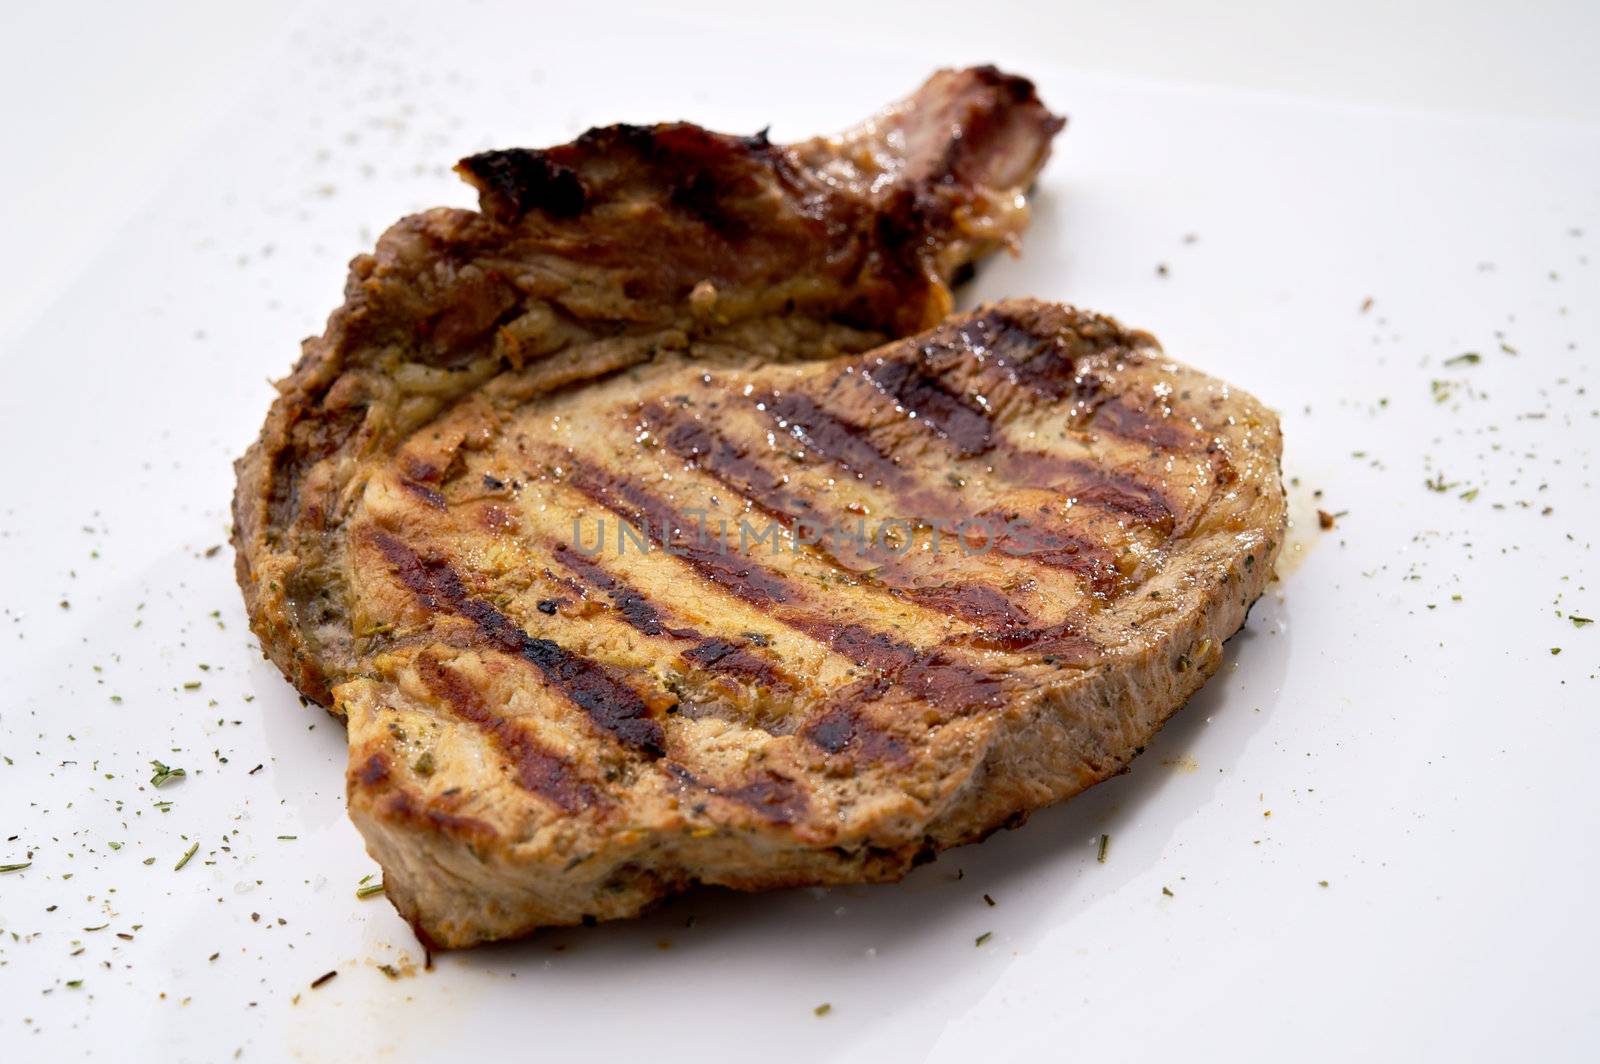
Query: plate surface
x,y
1375,823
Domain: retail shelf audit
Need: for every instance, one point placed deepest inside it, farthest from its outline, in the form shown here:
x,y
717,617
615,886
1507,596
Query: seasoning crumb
x,y
323,978
1554,651
1105,844
1324,520
988,901
390,970
1168,892
190,852
1579,622
1366,304
1161,269
1322,882
981,939
822,1009
370,889
19,866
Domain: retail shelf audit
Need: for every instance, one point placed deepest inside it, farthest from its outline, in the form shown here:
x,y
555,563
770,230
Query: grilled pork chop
x,y
628,637
632,560
601,254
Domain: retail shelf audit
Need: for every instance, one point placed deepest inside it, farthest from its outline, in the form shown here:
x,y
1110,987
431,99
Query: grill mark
x,y
374,771
1061,641
743,579
419,469
538,770
1046,366
860,644
611,704
933,676
1116,492
712,654
715,654
774,797
1136,426
844,729
824,433
690,439
849,446
1040,364
968,428
978,603
473,831
636,609
729,464
425,493
1057,548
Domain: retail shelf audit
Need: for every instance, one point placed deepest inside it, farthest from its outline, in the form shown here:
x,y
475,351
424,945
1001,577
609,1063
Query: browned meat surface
x,y
637,552
630,242
551,722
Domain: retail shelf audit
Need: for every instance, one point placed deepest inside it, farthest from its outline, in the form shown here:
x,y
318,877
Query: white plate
x,y
1424,755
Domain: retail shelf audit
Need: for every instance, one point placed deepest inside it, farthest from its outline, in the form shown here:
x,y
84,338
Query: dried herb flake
x,y
164,774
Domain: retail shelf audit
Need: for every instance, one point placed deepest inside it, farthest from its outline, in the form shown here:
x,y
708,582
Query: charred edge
x,y
517,180
311,440
775,798
610,704
741,578
1019,88
425,493
538,770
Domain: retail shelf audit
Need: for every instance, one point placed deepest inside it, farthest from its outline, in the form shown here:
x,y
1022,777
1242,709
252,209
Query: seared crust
x,y
601,254
549,727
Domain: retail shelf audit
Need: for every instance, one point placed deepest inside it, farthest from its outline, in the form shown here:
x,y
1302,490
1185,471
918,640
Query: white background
x,y
184,188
